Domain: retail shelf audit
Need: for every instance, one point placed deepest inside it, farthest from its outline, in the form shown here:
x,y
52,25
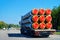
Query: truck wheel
x,y
22,31
45,35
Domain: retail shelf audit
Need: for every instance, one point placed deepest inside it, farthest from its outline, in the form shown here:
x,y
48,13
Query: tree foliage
x,y
5,25
56,17
13,25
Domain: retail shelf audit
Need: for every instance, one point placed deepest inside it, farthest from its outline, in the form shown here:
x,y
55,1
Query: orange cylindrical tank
x,y
48,18
42,25
35,18
35,11
48,11
41,11
35,25
48,25
42,18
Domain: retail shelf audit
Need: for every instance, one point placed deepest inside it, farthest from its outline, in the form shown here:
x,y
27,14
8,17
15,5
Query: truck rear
x,y
37,23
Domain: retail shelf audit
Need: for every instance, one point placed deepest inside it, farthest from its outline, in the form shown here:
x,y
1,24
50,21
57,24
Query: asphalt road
x,y
16,35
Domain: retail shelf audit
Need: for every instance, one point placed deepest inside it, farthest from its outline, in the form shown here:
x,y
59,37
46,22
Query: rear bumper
x,y
44,32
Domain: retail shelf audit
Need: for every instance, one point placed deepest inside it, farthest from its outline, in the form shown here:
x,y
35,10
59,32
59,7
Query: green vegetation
x,y
58,28
58,33
56,17
5,25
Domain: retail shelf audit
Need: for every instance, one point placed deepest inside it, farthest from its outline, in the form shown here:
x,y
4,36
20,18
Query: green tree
x,y
13,25
56,17
3,25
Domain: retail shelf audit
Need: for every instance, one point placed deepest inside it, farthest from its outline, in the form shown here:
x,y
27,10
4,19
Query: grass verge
x,y
58,33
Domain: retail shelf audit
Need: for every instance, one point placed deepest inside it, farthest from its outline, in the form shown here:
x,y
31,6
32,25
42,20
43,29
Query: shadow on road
x,y
17,35
21,35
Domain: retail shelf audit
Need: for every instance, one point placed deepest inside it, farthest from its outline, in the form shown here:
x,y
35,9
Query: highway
x,y
14,34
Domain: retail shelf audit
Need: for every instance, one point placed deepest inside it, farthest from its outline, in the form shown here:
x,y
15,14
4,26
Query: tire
x,y
45,35
22,31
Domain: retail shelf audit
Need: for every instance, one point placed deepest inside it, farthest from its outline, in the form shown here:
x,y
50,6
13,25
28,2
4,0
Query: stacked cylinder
x,y
37,19
35,24
42,18
48,19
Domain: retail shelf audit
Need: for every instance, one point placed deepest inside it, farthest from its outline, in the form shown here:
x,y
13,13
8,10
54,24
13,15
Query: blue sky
x,y
12,10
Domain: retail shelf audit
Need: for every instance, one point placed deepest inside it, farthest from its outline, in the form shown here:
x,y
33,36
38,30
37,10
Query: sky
x,y
12,10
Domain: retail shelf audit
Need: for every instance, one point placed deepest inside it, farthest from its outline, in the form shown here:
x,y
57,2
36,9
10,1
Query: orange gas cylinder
x,y
49,25
48,11
42,25
42,18
35,18
35,25
34,11
41,11
48,18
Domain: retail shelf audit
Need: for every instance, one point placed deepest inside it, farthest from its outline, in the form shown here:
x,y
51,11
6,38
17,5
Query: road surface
x,y
16,35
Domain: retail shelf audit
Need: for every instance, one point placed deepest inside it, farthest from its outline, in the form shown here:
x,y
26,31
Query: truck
x,y
37,23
